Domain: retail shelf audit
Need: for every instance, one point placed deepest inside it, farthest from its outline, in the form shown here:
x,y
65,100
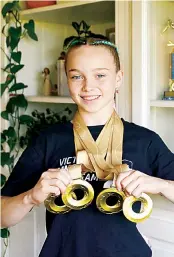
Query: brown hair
x,y
96,42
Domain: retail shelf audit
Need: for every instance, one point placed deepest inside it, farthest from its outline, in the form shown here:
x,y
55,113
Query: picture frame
x,y
110,34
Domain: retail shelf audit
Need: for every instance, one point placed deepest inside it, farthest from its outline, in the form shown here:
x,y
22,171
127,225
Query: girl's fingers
x,y
55,173
55,181
62,187
65,179
55,190
131,186
137,191
120,177
52,190
67,173
131,177
61,183
49,174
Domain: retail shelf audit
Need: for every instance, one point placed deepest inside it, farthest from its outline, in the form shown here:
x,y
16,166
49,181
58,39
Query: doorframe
x,y
141,71
123,36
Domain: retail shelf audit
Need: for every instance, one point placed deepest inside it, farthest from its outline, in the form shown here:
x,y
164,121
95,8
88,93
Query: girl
x,y
93,71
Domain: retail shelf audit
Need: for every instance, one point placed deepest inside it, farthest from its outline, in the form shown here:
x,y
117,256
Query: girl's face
x,y
92,78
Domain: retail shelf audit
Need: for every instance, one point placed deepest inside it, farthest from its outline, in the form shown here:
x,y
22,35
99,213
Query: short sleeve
x,y
161,158
27,170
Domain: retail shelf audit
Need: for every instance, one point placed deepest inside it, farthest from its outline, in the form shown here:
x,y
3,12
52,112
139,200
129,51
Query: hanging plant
x,y
13,31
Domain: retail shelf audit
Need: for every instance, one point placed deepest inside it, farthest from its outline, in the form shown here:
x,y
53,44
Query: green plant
x,y
42,120
13,31
82,30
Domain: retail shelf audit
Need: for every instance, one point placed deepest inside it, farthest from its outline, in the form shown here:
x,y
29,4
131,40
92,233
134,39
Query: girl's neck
x,y
96,118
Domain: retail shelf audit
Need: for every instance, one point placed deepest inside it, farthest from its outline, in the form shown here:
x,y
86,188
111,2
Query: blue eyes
x,y
100,75
77,77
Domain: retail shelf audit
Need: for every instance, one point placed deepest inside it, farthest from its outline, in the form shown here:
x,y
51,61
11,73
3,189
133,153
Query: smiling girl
x,y
93,72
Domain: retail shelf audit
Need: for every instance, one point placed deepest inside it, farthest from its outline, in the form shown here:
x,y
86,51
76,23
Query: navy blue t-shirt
x,y
88,232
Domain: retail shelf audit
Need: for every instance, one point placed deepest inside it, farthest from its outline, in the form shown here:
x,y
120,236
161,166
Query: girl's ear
x,y
119,79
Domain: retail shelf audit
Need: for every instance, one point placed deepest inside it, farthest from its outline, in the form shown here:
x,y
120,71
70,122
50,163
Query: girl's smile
x,y
90,98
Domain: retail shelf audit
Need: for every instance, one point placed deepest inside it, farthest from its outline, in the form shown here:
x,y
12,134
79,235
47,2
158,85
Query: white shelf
x,y
64,12
50,99
59,5
66,100
162,103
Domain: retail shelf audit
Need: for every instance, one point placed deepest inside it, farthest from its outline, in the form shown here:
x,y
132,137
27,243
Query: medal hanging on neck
x,y
104,156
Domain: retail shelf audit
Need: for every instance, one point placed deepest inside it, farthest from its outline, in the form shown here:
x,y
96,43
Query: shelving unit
x,y
59,5
61,99
53,24
161,111
161,103
50,99
98,11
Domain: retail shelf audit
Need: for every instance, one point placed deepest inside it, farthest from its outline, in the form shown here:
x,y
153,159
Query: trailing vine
x,y
13,31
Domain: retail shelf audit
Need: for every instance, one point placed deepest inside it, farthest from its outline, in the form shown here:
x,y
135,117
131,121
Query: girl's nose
x,y
88,85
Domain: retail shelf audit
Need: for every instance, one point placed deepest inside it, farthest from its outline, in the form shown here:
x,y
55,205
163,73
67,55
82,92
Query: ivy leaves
x,y
17,86
8,7
13,37
16,101
14,31
16,56
3,180
5,233
30,28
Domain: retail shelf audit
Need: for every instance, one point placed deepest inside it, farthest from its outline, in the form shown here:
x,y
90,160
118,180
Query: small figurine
x,y
62,56
47,82
62,85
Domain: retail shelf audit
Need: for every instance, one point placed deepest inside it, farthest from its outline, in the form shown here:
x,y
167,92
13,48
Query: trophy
x,y
169,95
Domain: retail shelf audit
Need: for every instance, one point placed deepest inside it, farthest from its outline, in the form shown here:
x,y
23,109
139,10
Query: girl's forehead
x,y
90,54
86,49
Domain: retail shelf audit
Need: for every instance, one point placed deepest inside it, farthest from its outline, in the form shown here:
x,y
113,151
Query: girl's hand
x,y
52,181
135,183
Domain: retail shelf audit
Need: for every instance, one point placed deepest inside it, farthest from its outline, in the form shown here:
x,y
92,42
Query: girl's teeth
x,y
90,97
